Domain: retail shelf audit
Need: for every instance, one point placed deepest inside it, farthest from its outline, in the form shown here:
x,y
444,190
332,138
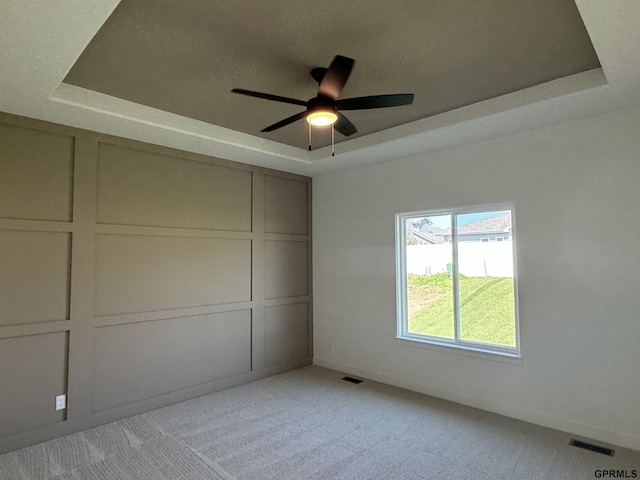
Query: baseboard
x,y
566,425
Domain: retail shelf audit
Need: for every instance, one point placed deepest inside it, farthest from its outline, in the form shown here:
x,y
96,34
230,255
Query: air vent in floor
x,y
351,379
592,447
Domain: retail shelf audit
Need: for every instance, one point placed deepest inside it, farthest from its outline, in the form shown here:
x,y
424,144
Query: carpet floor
x,y
310,424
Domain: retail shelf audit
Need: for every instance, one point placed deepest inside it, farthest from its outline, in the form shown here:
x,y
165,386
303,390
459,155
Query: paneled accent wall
x,y
135,276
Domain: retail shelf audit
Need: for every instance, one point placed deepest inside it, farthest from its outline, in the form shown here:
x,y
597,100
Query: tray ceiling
x,y
185,57
449,53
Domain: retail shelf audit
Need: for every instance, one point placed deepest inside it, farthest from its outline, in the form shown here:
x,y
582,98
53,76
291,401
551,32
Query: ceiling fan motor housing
x,y
321,103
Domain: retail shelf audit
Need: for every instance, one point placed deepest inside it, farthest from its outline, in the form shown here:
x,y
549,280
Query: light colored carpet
x,y
310,424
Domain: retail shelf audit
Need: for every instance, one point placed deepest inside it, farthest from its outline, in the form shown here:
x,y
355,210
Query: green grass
x,y
486,308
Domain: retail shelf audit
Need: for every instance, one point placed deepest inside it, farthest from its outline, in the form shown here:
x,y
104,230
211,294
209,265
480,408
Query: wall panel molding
x,y
286,203
37,174
138,276
169,313
286,269
142,188
170,232
143,360
35,281
34,386
286,333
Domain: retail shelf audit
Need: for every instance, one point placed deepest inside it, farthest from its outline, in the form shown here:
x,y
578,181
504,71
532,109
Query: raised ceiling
x,y
185,57
42,43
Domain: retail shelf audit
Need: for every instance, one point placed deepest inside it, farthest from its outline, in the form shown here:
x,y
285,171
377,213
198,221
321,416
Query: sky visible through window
x,y
444,221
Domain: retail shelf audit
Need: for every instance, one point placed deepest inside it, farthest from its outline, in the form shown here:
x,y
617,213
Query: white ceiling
x,y
41,40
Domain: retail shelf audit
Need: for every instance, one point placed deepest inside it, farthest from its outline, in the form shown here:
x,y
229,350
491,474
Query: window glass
x,y
456,278
429,261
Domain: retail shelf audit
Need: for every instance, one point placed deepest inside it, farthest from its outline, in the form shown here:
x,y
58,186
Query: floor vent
x,y
592,447
351,379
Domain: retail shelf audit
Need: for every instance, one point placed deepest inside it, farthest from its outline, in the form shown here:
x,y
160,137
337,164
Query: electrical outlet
x,y
61,402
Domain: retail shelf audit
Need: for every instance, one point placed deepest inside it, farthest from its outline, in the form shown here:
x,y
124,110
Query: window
x,y
454,287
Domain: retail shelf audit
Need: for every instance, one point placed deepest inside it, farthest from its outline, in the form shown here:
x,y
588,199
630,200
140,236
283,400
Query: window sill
x,y
465,350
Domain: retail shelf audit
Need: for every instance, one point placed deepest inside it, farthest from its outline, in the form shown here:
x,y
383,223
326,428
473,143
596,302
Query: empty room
x,y
319,240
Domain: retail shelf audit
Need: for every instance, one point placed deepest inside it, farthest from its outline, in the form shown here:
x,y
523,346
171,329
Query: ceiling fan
x,y
325,109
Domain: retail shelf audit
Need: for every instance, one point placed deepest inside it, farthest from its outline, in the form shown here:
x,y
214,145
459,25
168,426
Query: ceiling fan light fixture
x,y
322,117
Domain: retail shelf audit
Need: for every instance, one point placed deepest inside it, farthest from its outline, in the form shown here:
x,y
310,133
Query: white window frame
x,y
463,346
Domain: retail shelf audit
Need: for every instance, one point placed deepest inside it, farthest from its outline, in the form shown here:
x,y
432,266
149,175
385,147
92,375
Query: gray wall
x,y
576,191
135,276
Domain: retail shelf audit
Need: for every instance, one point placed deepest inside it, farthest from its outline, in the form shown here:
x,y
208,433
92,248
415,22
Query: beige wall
x,y
135,276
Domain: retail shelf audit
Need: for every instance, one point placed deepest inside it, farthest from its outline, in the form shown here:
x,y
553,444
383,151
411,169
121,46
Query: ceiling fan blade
x,y
336,76
268,96
344,125
285,122
375,101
